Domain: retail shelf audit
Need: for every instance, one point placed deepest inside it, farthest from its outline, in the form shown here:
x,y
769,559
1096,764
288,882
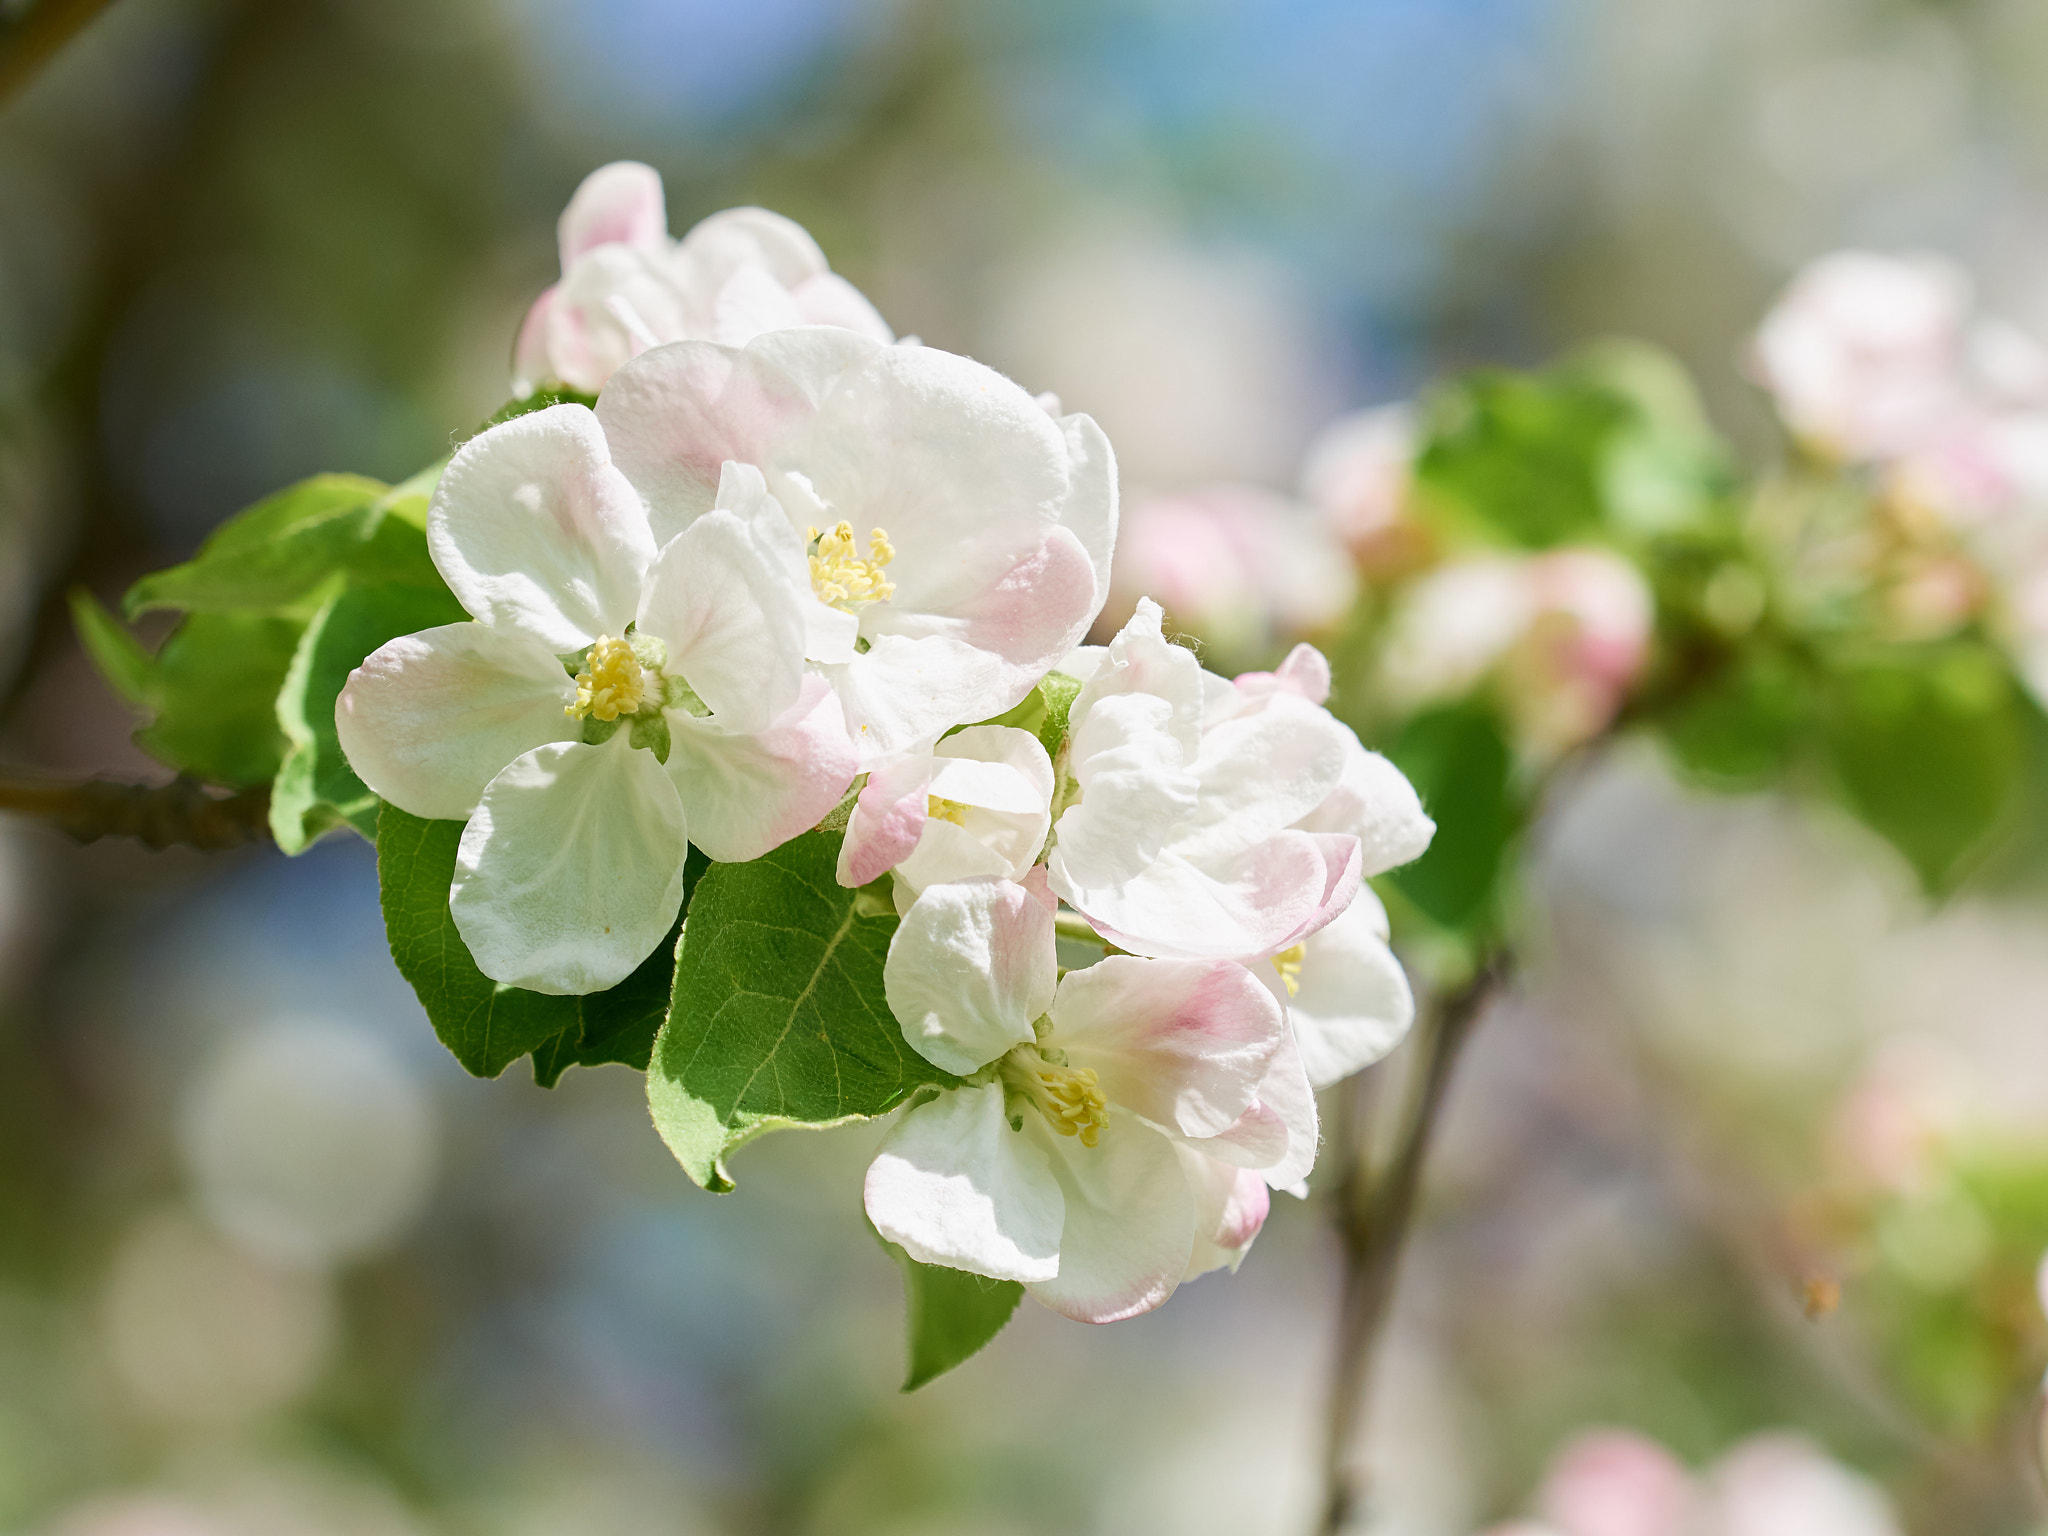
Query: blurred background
x,y
270,1265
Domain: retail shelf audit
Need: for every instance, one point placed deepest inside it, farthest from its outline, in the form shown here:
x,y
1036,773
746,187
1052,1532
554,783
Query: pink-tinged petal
x,y
730,611
1230,1207
1231,908
1375,803
1285,1094
1034,881
1341,885
1031,614
751,303
614,303
1182,1043
887,819
536,533
734,239
953,1185
1129,1223
1305,674
999,781
617,204
748,794
571,870
676,414
829,299
532,365
970,968
1353,1004
429,719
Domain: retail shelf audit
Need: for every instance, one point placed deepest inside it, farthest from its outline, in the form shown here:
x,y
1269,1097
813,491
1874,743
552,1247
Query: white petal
x,y
1230,1208
730,612
613,303
829,299
676,414
1354,1003
902,692
969,969
1130,1221
618,203
946,853
1091,510
1263,772
954,1185
429,719
748,794
1375,803
536,532
1183,1043
1251,904
571,870
736,238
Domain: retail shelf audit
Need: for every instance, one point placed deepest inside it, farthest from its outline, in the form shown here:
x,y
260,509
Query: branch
x,y
1373,1215
34,38
160,815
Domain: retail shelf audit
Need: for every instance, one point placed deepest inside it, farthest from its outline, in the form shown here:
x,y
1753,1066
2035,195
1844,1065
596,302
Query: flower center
x,y
840,577
941,809
612,682
1067,1096
1288,964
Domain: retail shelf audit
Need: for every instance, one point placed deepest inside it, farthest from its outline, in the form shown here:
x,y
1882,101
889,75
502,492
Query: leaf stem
x,y
181,812
1373,1210
32,39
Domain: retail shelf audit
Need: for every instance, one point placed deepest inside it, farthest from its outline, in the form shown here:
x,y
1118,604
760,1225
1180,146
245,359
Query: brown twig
x,y
38,35
181,812
1373,1212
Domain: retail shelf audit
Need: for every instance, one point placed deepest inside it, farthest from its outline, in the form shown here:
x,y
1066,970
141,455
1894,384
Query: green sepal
x,y
485,1024
949,1314
778,1018
650,731
316,790
539,400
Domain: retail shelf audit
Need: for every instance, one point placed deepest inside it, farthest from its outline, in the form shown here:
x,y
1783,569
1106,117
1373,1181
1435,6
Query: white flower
x,y
958,536
626,286
1205,828
980,803
1095,1151
1863,353
690,717
1348,1000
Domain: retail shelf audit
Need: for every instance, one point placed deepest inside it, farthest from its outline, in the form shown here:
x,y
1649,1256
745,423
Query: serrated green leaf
x,y
778,1018
1460,765
486,1025
1927,743
316,790
949,1314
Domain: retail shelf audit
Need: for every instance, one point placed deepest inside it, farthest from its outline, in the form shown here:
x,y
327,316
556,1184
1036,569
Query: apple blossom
x,y
979,803
1562,635
626,286
606,706
1183,841
957,537
1357,474
1237,564
1095,1148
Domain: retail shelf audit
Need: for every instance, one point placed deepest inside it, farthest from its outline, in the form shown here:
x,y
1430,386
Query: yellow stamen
x,y
1073,1105
612,682
838,574
940,809
1288,964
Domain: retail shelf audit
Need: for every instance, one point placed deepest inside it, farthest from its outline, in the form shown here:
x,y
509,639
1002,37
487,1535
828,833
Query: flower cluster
x,y
1884,366
778,557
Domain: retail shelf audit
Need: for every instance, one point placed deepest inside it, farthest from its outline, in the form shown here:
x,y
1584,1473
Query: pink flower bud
x,y
1614,1483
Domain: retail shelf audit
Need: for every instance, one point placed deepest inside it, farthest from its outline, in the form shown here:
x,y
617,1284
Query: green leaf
x,y
486,1025
1739,727
280,556
129,668
214,688
778,1018
316,790
1459,763
950,1315
1927,743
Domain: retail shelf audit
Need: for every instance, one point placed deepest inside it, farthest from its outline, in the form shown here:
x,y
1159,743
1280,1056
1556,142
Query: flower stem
x,y
160,815
1373,1209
